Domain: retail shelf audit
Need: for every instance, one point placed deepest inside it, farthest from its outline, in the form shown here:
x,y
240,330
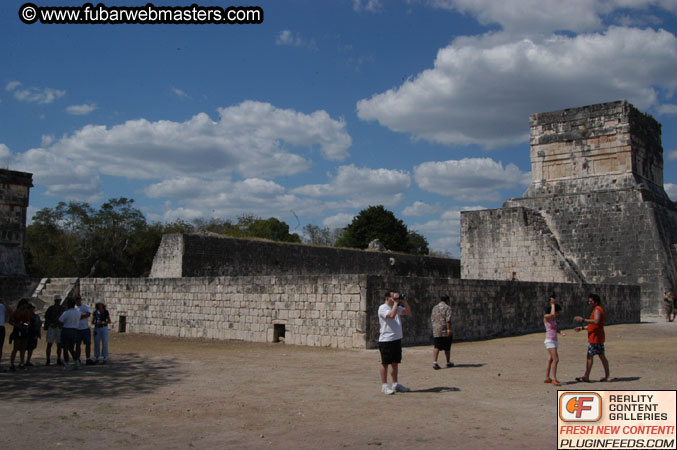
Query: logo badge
x,y
580,407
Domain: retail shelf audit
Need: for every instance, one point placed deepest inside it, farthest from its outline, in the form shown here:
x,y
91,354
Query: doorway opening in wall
x,y
122,326
278,332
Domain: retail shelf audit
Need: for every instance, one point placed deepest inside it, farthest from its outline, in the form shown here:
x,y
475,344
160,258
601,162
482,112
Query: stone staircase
x,y
49,287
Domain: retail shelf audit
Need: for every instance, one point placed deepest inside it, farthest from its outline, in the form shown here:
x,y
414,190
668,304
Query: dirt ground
x,y
184,393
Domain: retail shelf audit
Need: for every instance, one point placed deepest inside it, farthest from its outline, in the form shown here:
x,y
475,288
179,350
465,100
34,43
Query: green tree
x,y
249,225
417,244
214,225
271,228
317,235
375,222
74,240
55,244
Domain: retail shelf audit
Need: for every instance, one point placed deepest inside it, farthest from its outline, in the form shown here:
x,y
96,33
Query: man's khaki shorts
x,y
54,335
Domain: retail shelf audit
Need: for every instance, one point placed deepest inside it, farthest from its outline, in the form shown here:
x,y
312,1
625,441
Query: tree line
x,y
76,240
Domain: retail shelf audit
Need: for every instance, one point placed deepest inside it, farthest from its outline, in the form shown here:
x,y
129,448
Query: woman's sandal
x,y
556,383
547,380
583,379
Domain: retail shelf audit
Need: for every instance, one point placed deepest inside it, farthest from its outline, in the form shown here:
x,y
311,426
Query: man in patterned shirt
x,y
441,321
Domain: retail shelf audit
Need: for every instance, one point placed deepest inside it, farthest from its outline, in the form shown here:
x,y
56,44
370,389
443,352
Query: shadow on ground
x,y
594,381
437,389
130,374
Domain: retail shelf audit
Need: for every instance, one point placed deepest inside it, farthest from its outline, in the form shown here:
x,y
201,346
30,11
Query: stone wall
x,y
615,237
314,310
484,309
195,255
341,310
532,254
14,288
606,139
14,192
597,176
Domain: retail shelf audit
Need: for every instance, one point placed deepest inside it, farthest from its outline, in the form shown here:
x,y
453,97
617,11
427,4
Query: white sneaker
x,y
397,387
386,390
436,366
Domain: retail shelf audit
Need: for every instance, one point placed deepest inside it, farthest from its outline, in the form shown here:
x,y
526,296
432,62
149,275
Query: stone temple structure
x,y
14,191
595,219
595,212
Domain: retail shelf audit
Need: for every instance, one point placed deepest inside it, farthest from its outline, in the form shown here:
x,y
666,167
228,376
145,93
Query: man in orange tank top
x,y
595,338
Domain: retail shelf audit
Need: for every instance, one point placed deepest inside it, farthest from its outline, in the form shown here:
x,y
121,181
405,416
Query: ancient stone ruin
x,y
14,191
594,219
595,212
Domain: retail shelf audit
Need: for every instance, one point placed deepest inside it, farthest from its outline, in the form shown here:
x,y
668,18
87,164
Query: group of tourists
x,y
25,333
396,306
66,326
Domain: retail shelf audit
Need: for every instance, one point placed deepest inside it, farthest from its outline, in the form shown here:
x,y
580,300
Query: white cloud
x,y
544,16
72,179
5,156
178,92
418,209
481,90
30,212
469,179
671,190
352,188
360,186
43,96
225,198
445,232
47,140
341,220
288,38
81,110
253,139
367,5
672,154
666,109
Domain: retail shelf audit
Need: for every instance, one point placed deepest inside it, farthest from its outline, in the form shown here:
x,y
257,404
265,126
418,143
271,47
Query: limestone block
x,y
359,340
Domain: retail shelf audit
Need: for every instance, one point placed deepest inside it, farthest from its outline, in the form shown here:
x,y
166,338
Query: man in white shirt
x,y
390,339
69,333
84,333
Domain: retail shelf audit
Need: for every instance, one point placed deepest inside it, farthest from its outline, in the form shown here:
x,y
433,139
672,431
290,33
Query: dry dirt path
x,y
182,393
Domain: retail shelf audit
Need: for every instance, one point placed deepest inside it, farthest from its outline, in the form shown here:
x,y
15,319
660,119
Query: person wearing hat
x,y
441,323
100,320
53,327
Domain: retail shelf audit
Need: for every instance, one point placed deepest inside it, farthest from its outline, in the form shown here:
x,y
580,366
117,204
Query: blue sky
x,y
323,109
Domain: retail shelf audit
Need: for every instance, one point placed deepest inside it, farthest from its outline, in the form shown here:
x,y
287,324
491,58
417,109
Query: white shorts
x,y
54,335
550,344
